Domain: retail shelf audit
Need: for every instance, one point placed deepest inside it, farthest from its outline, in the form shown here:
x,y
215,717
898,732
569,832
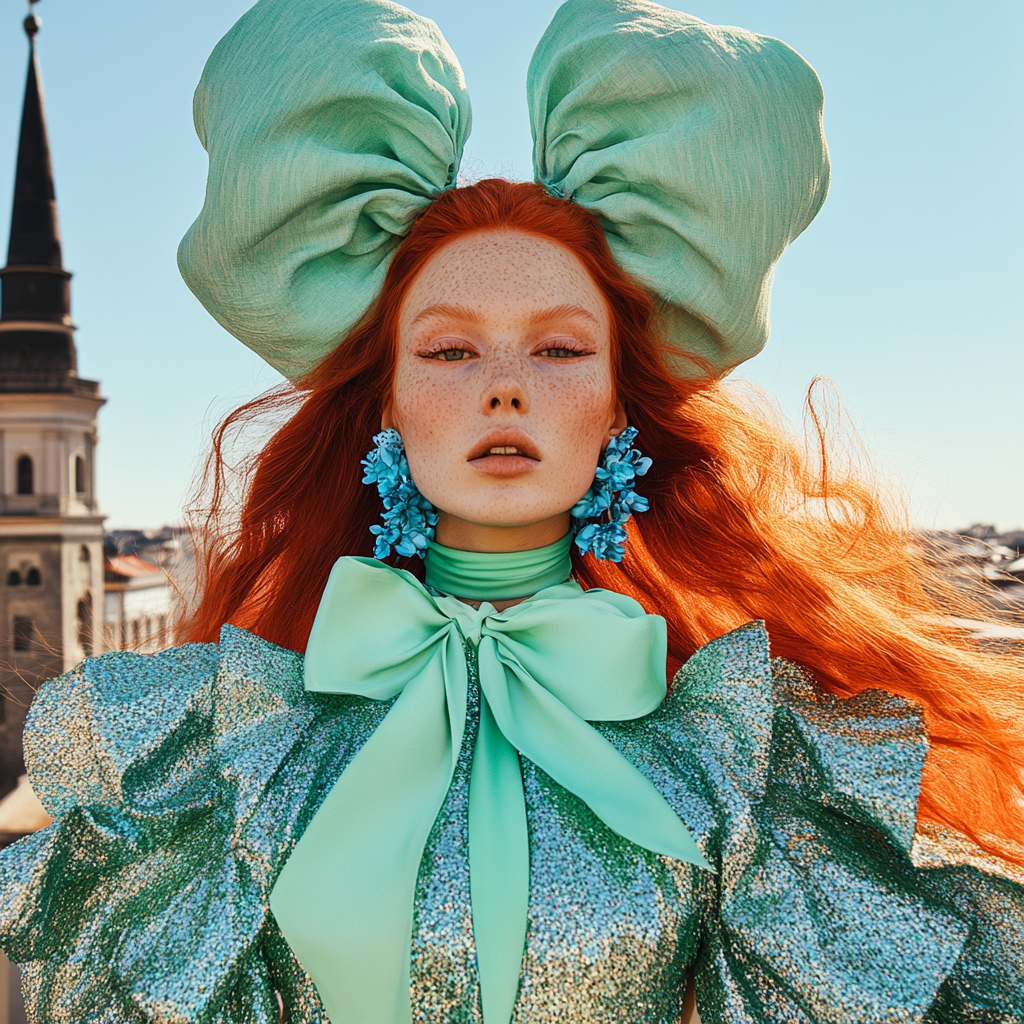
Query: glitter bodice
x,y
181,782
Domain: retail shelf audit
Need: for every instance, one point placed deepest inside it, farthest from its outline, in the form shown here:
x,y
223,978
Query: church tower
x,y
51,531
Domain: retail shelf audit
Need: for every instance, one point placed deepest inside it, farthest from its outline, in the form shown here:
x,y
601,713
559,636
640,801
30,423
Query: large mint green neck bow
x,y
331,124
344,900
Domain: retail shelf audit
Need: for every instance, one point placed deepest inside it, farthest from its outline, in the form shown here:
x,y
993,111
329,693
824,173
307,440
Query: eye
x,y
561,352
450,353
564,348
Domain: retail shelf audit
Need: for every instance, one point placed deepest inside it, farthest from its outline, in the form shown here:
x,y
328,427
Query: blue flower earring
x,y
599,517
409,519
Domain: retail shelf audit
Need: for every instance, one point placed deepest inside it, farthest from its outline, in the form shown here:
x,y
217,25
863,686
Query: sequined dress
x,y
180,783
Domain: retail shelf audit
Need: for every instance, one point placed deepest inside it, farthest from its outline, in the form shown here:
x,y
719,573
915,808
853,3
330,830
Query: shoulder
x,y
742,727
90,730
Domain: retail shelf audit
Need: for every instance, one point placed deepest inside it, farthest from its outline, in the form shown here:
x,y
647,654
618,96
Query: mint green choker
x,y
497,576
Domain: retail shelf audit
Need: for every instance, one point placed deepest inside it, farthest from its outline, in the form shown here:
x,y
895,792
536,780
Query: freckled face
x,y
503,391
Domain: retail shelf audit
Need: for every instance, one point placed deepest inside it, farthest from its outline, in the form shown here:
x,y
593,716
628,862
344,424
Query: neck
x,y
463,535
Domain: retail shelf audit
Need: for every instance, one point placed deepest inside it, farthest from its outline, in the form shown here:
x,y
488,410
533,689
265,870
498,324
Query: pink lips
x,y
526,458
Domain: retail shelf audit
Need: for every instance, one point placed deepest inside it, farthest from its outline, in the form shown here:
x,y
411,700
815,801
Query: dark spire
x,y
35,237
37,348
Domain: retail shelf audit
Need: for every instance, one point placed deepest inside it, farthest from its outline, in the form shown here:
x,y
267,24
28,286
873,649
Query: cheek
x,y
434,414
580,403
576,415
419,405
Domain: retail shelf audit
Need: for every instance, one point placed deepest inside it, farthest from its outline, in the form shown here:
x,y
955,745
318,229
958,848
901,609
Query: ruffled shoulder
x,y
826,904
177,782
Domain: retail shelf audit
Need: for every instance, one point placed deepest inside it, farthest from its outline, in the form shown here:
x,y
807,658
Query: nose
x,y
506,394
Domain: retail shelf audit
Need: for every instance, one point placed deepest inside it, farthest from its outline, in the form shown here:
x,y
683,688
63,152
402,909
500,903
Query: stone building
x,y
51,530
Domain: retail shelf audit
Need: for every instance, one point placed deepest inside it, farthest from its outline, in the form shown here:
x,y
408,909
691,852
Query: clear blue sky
x,y
906,290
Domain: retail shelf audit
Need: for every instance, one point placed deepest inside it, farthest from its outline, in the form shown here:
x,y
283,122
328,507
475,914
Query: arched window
x,y
14,578
26,482
32,577
83,554
79,475
85,625
22,634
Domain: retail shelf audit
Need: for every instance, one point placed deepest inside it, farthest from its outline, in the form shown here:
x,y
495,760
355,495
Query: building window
x,y
85,625
79,474
26,483
22,634
14,578
83,554
32,577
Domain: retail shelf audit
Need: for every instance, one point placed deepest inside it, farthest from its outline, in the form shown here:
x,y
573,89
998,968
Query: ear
x,y
619,422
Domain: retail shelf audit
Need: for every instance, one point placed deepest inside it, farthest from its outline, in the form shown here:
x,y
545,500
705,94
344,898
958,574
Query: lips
x,y
505,443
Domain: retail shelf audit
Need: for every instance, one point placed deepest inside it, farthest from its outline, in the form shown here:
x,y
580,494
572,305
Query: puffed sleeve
x,y
825,905
131,906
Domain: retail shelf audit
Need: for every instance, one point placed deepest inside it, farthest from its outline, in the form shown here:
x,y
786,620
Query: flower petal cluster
x,y
599,517
409,519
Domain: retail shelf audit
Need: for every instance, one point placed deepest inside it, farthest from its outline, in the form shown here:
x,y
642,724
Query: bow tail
x,y
499,868
344,900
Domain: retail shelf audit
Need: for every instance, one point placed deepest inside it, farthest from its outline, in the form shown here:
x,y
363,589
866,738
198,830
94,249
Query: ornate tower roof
x,y
37,347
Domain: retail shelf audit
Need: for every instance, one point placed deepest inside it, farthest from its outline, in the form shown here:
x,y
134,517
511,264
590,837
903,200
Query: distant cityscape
x,y
980,554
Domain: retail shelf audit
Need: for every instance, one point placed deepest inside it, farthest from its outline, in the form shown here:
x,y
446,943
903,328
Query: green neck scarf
x,y
547,667
483,576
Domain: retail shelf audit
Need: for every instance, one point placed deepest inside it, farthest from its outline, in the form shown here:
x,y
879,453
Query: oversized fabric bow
x,y
344,900
330,124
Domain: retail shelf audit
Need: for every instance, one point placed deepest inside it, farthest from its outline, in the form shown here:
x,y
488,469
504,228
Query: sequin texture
x,y
180,783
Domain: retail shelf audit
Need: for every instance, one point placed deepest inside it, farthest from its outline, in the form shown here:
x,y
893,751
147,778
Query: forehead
x,y
497,272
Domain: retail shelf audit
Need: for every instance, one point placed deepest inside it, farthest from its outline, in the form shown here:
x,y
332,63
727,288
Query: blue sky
x,y
906,291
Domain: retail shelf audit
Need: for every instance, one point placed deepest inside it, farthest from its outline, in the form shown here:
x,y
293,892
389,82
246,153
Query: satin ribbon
x,y
487,576
344,900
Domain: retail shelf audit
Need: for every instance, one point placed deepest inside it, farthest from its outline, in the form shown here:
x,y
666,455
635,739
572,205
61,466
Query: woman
x,y
458,787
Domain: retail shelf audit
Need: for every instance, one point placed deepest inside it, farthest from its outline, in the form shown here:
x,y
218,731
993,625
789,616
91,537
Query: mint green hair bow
x,y
331,124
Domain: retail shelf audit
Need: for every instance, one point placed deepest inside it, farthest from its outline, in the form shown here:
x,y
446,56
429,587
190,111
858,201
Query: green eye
x,y
560,353
451,355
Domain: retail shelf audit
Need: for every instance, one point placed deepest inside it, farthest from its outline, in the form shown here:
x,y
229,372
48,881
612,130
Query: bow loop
x,y
330,124
350,635
602,637
699,147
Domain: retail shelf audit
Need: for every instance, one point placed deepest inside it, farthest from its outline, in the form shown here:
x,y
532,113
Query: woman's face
x,y
503,390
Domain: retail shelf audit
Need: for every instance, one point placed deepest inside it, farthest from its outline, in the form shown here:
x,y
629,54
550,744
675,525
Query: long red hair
x,y
745,523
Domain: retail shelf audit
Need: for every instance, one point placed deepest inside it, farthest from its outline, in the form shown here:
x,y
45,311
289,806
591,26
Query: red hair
x,y
744,524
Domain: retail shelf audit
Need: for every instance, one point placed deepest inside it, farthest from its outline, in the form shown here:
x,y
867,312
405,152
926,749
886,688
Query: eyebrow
x,y
466,315
449,312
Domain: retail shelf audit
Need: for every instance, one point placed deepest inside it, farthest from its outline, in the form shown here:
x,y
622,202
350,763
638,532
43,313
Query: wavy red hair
x,y
745,523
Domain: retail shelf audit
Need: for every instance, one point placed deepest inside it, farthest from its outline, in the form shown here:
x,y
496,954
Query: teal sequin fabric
x,y
180,783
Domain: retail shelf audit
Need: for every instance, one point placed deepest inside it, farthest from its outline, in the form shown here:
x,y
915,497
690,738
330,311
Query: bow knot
x,y
547,666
